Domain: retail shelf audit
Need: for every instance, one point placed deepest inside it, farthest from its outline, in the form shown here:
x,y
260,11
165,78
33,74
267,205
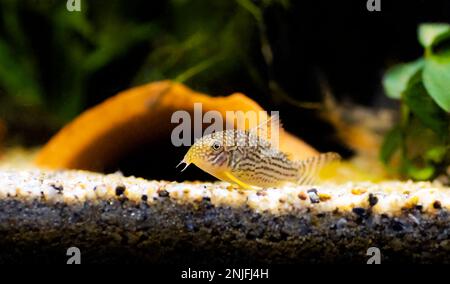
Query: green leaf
x,y
431,34
17,78
397,78
252,8
424,173
436,78
426,110
113,40
74,22
391,144
436,154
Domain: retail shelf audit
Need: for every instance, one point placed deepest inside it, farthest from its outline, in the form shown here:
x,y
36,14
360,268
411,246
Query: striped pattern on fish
x,y
244,158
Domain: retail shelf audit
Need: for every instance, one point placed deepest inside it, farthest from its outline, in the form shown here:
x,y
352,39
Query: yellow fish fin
x,y
237,181
309,169
263,129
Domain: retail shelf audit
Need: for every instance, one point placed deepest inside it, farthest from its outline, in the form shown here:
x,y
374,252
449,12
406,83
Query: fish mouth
x,y
183,162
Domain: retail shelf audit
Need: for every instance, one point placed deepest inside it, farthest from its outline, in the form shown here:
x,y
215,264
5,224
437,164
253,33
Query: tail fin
x,y
309,169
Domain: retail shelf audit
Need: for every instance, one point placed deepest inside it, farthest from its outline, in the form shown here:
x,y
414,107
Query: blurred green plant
x,y
418,147
77,49
198,42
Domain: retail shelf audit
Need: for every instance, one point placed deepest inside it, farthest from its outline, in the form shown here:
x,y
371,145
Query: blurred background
x,y
286,55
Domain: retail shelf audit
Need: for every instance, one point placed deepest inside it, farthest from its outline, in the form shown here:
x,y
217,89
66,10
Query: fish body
x,y
244,158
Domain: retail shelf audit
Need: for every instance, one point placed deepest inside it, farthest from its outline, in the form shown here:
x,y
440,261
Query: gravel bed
x,y
115,219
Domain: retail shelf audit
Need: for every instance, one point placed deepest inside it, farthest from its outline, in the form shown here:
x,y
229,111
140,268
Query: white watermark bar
x,y
373,5
75,255
73,5
190,126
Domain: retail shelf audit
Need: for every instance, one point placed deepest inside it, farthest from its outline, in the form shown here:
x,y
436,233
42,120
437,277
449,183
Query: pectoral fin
x,y
232,178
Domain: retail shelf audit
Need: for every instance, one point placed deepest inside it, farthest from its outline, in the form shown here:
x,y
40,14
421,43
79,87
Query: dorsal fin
x,y
309,168
263,130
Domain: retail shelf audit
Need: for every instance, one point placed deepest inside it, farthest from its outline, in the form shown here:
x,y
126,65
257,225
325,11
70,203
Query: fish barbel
x,y
242,157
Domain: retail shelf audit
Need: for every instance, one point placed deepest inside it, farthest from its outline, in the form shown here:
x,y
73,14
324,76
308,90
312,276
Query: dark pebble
x,y
373,200
361,212
312,190
120,190
206,201
437,204
314,199
58,188
261,193
191,227
163,193
397,226
313,195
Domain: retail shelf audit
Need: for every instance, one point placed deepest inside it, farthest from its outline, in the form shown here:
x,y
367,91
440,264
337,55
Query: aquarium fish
x,y
243,158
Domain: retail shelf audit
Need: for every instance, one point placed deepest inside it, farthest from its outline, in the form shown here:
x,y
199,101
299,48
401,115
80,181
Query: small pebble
x,y
58,188
302,196
437,204
361,212
397,226
120,190
261,193
358,191
312,190
163,193
324,196
313,196
373,200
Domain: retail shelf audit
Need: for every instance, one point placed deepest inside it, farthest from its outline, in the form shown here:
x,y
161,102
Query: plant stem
x,y
404,121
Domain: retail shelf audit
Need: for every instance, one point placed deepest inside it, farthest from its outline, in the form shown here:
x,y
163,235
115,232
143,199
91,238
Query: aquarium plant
x,y
418,146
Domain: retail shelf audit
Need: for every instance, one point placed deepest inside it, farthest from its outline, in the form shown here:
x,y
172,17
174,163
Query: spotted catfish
x,y
245,158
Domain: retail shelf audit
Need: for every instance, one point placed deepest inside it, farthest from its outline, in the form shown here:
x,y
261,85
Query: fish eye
x,y
216,145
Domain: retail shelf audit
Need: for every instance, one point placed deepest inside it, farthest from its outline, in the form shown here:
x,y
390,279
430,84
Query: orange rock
x,y
101,136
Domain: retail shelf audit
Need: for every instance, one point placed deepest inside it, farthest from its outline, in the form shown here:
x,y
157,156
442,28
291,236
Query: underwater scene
x,y
227,133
